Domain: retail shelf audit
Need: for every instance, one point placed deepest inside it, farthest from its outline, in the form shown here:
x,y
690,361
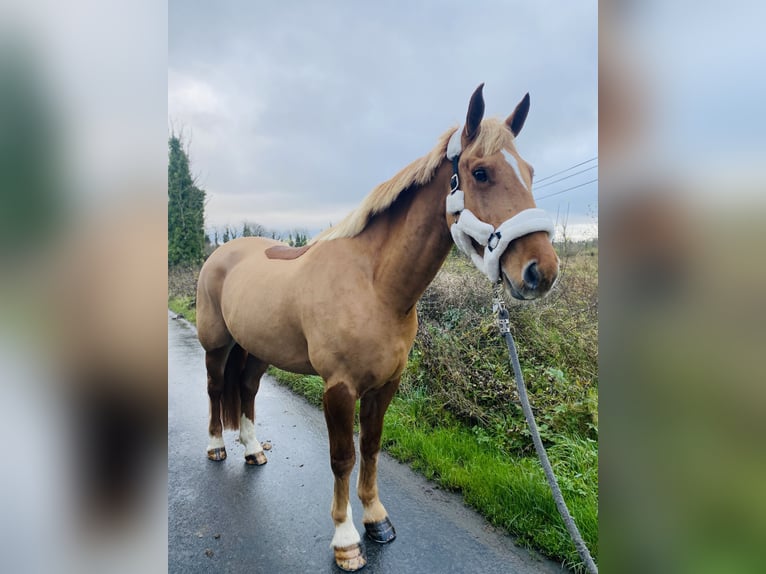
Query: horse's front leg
x,y
339,402
373,406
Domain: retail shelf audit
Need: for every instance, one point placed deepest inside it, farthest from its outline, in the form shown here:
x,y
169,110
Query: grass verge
x,y
184,306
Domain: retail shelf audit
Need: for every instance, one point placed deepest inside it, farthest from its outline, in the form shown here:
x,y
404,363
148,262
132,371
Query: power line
x,y
567,169
565,190
567,176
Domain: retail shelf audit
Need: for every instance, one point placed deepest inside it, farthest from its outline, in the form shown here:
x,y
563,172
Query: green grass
x,y
183,305
310,387
182,291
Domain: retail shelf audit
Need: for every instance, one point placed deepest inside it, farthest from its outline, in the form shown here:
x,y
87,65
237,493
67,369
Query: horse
x,y
344,306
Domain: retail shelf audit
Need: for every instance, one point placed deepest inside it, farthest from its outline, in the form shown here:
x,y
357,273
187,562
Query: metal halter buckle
x,y
454,183
498,307
493,240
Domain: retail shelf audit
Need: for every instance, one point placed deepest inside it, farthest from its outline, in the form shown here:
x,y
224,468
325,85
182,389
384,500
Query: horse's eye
x,y
480,175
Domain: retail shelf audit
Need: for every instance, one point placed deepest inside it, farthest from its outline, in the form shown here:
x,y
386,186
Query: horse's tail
x,y
231,406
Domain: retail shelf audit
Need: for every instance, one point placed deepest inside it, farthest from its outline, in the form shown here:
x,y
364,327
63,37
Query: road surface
x,y
231,518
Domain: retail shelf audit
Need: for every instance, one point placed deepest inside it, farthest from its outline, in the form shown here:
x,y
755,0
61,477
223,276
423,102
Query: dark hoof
x,y
257,459
350,558
217,454
381,532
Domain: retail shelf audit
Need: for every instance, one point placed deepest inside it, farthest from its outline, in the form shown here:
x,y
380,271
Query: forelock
x,y
494,136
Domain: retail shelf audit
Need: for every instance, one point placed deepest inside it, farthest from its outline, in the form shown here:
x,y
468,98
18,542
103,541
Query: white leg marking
x,y
247,436
215,442
346,533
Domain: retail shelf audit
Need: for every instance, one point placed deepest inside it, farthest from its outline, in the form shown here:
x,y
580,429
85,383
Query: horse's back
x,y
211,326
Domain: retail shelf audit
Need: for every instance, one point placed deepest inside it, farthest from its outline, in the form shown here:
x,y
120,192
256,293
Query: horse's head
x,y
491,210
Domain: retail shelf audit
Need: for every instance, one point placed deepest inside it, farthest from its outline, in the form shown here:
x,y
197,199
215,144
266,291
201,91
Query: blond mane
x,y
493,136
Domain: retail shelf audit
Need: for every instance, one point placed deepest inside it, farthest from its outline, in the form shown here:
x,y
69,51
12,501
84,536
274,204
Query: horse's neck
x,y
410,241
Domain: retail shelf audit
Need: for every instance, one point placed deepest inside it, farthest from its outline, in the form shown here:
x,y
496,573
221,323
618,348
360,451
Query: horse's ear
x,y
475,114
516,120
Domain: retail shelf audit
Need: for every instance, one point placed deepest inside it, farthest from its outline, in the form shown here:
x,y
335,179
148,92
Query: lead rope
x,y
504,324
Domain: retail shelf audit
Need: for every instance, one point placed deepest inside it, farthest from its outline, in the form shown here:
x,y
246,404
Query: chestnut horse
x,y
344,306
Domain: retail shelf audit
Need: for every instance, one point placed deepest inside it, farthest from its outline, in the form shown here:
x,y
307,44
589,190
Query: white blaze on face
x,y
513,161
247,436
346,533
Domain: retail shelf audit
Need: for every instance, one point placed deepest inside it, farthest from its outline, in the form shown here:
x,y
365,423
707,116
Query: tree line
x,y
188,245
295,238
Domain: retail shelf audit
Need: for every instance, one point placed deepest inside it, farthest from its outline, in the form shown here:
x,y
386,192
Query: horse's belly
x,y
275,344
299,368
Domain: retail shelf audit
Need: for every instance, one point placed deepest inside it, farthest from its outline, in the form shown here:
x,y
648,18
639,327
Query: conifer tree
x,y
186,209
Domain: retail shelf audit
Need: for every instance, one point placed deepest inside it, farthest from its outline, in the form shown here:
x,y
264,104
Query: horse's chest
x,y
372,349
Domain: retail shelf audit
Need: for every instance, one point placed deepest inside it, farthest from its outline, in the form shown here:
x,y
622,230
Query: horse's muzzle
x,y
529,267
535,282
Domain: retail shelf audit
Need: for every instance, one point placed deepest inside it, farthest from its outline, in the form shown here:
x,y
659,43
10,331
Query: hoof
x,y
381,532
350,558
258,459
217,453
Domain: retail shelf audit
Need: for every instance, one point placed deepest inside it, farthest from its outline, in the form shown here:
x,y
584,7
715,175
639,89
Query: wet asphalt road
x,y
229,517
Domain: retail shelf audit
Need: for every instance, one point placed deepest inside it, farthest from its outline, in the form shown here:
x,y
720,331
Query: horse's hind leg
x,y
216,361
249,382
372,408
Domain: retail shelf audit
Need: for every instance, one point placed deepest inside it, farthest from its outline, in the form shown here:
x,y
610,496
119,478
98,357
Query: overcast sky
x,y
294,111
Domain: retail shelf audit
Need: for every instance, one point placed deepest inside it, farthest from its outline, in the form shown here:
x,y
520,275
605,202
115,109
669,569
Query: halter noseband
x,y
467,226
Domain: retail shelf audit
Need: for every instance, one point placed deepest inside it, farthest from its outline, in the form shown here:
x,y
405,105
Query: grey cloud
x,y
319,105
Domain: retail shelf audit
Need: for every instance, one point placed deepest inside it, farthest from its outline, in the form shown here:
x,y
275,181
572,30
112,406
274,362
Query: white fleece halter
x,y
494,241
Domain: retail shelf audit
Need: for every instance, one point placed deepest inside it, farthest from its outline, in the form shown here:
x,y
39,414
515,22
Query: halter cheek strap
x,y
468,226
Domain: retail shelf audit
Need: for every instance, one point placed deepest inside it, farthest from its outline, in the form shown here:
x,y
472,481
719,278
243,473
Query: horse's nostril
x,y
532,275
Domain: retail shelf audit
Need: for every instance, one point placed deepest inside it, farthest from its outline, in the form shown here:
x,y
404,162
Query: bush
x,y
182,282
460,360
